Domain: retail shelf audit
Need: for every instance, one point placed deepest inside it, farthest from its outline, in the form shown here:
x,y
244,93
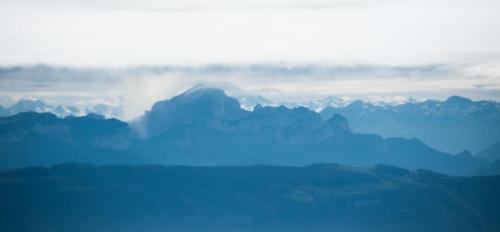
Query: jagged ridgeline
x,y
204,126
452,126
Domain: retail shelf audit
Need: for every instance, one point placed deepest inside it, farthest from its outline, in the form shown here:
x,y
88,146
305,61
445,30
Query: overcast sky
x,y
459,38
131,32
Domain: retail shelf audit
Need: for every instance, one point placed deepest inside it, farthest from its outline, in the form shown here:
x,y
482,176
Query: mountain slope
x,y
206,127
37,105
491,153
4,112
194,106
327,197
490,169
453,125
43,139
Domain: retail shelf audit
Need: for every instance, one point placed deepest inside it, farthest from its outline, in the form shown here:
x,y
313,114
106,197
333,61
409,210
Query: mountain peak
x,y
203,100
29,104
464,153
95,116
30,117
196,105
458,100
198,91
339,121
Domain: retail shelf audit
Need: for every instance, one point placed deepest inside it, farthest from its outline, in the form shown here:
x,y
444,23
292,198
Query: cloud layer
x,y
286,50
139,87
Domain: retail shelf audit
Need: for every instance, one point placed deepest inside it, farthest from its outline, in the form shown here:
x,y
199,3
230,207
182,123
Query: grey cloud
x,y
141,86
40,75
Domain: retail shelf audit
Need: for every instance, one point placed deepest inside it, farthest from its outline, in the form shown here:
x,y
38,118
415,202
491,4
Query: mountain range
x,y
491,153
452,126
207,127
319,105
317,198
30,104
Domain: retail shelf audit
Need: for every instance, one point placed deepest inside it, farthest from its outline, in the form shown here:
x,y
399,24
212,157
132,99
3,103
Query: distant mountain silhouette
x,y
37,105
204,126
4,112
27,105
453,125
196,106
491,153
43,139
248,102
490,169
326,197
318,105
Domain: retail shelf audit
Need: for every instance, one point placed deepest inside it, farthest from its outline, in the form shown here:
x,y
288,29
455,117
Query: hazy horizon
x,y
284,50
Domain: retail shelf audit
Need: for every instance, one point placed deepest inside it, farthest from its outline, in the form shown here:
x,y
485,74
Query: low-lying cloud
x,y
137,88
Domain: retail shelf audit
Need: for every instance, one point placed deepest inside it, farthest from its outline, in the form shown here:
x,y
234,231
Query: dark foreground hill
x,y
326,197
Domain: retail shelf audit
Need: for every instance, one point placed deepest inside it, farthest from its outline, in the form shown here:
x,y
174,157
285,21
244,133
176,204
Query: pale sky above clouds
x,y
131,32
372,40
